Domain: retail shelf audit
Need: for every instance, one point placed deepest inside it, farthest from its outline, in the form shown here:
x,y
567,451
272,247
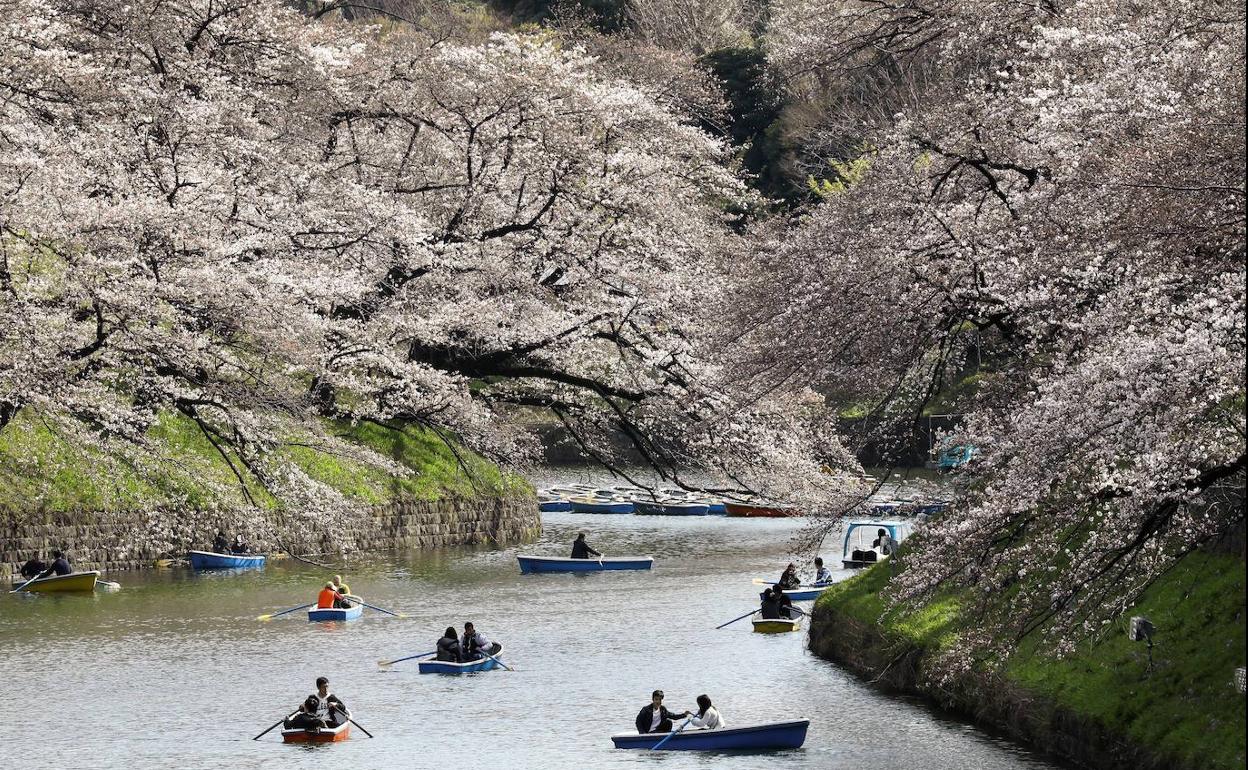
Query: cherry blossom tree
x,y
260,220
1058,190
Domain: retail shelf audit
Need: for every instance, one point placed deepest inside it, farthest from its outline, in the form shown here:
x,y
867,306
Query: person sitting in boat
x,y
708,717
883,541
789,579
654,717
220,544
34,567
320,709
328,598
60,564
582,549
775,603
474,644
822,575
448,646
240,545
344,593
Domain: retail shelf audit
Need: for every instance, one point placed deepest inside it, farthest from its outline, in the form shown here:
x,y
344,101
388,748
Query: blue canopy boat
x,y
531,564
472,666
859,550
600,505
774,735
210,560
670,508
336,613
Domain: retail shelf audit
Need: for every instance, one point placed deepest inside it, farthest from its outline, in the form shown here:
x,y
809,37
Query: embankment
x,y
107,513
1100,708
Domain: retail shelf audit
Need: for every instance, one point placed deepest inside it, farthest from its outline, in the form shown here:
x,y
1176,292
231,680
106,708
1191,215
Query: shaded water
x,y
174,670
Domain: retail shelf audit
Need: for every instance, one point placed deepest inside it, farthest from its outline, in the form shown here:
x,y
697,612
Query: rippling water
x,y
174,670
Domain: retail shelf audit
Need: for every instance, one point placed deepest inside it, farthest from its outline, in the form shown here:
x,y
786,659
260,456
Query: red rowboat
x,y
760,511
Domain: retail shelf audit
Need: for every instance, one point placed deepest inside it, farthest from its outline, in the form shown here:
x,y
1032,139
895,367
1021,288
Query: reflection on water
x,y
174,670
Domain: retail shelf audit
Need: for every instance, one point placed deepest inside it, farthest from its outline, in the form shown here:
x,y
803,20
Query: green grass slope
x,y
1185,708
44,469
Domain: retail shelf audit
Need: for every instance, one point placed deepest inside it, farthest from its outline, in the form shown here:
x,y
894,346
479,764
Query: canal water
x,y
174,670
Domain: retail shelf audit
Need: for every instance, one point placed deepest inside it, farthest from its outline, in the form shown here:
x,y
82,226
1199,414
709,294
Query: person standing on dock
x,y
582,549
655,718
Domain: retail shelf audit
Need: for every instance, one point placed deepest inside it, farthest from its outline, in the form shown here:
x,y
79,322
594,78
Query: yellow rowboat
x,y
776,625
74,581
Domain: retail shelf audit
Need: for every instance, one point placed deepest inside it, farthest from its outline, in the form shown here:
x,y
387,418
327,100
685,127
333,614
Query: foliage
x,y
1056,188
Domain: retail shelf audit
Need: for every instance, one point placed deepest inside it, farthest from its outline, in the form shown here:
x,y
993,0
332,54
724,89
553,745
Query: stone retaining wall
x,y
135,540
897,666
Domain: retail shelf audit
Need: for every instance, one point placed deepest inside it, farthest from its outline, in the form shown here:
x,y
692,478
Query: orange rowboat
x,y
317,735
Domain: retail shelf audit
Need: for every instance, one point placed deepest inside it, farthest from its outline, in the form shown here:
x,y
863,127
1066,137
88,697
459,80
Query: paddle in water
x,y
285,612
656,746
357,724
379,609
734,620
28,582
389,663
496,660
275,724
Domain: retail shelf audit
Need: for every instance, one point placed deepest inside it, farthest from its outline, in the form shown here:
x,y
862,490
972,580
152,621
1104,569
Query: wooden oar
x,y
275,724
496,660
357,724
734,620
284,612
656,746
379,609
389,663
28,582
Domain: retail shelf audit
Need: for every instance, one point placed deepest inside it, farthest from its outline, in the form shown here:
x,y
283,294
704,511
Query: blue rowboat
x,y
472,666
670,508
336,613
210,560
588,505
531,564
554,506
807,593
717,508
771,736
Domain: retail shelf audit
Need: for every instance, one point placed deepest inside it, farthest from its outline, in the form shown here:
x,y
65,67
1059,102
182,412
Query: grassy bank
x,y
1185,711
44,469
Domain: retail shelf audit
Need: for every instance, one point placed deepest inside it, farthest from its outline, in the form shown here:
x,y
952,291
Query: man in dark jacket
x,y
60,565
775,604
34,567
655,718
581,549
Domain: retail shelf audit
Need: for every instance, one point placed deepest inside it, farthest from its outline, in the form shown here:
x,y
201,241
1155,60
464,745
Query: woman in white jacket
x,y
708,716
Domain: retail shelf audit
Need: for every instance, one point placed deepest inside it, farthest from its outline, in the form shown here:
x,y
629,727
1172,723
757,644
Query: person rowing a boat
x,y
474,645
35,566
708,717
654,717
344,592
822,575
221,543
320,709
448,647
240,545
775,603
789,579
59,566
328,598
582,549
